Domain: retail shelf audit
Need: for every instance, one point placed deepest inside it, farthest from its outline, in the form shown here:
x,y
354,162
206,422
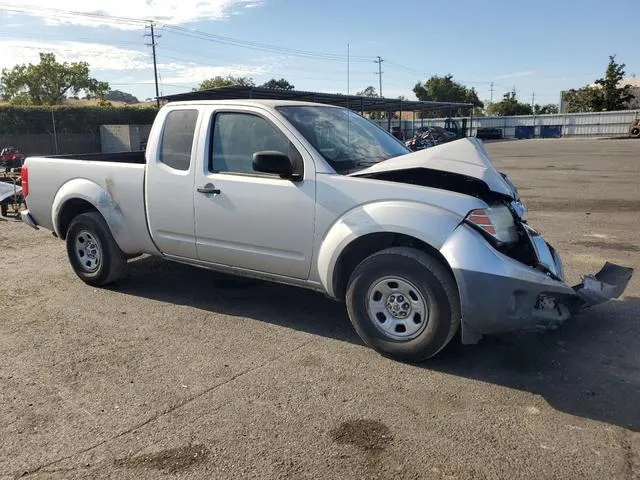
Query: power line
x,y
187,32
22,34
261,46
59,13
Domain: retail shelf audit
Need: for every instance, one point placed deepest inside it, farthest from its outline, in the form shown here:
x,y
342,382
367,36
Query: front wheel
x,y
403,303
93,253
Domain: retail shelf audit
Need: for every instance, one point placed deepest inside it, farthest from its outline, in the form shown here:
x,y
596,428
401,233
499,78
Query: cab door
x,y
169,182
251,220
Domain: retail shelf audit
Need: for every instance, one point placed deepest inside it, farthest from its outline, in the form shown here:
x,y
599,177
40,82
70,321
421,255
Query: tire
x,y
93,253
372,296
635,132
4,209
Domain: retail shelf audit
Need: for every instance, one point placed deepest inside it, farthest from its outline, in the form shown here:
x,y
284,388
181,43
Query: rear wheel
x,y
403,303
635,132
93,253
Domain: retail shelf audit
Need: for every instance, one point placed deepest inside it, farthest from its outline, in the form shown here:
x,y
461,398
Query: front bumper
x,y
499,294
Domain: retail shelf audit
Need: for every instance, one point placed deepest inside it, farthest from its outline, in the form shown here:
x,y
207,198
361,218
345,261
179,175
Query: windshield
x,y
347,141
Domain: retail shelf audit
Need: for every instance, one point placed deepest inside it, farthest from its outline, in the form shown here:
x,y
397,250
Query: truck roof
x,y
249,102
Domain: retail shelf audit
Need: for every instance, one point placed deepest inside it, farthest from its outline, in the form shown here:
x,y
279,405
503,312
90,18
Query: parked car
x,y
489,133
11,157
418,245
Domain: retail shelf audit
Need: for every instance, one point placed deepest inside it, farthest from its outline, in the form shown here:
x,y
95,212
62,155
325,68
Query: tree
x,y
48,82
445,89
606,94
118,96
228,81
509,106
585,99
614,97
368,92
545,109
281,84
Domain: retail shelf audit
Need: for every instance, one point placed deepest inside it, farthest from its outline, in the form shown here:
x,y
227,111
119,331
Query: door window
x,y
177,138
237,136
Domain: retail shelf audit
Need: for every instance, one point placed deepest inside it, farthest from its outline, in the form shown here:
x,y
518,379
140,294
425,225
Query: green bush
x,y
21,120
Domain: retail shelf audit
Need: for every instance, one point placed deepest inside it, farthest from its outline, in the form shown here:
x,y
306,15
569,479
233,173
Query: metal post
x,y
422,118
401,129
348,73
55,135
413,124
361,106
389,119
533,112
470,123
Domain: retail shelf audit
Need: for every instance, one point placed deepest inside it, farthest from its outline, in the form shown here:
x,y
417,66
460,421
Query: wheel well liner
x,y
367,245
71,209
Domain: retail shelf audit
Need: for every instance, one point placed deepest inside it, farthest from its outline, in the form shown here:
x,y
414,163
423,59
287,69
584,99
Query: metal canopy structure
x,y
353,102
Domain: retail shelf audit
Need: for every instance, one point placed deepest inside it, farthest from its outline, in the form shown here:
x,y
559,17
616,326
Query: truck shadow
x,y
589,368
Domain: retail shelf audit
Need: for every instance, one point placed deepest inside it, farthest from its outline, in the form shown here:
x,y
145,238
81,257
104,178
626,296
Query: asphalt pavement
x,y
177,372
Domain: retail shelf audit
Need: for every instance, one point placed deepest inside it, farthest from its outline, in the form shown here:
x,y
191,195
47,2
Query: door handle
x,y
209,189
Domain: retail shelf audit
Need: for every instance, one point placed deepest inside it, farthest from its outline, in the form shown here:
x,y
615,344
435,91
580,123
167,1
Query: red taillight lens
x,y
24,174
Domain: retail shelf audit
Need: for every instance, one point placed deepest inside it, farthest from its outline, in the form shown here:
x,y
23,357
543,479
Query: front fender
x,y
101,199
427,223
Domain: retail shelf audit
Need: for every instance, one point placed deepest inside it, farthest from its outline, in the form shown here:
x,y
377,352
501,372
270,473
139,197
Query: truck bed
x,y
118,157
114,183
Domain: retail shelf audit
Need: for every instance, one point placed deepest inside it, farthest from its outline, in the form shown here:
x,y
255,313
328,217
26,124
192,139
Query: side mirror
x,y
274,162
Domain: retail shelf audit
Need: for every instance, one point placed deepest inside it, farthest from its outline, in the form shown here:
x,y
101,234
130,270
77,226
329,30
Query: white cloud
x,y
99,56
196,74
108,58
172,12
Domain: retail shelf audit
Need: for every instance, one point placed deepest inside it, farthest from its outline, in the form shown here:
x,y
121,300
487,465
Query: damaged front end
x,y
520,288
509,278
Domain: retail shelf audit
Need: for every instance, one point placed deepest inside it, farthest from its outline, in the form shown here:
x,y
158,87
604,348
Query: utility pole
x,y
533,101
155,64
491,98
533,111
379,73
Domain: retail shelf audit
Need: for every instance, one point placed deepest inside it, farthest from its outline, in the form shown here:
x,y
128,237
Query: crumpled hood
x,y
466,156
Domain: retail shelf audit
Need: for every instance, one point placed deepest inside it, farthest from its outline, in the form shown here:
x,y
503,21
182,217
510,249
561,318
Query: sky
x,y
540,47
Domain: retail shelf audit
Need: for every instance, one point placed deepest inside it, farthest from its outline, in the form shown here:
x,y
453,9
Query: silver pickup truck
x,y
418,245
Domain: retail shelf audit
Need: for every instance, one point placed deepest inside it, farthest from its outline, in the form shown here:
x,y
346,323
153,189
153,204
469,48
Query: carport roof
x,y
354,102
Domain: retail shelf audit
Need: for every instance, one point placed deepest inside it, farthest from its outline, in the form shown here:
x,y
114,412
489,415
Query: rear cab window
x,y
177,138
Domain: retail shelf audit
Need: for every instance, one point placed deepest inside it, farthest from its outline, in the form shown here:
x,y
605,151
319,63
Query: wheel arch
x,y
68,211
373,227
79,196
364,246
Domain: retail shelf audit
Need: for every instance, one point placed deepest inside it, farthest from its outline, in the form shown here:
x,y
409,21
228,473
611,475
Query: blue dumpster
x,y
551,131
524,131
